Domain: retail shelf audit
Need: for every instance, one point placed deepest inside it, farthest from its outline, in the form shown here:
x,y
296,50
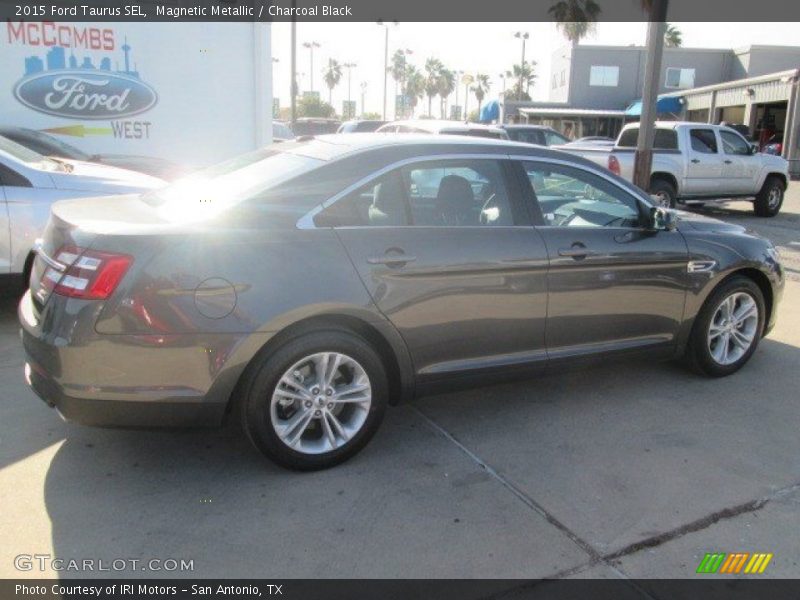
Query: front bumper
x,y
122,380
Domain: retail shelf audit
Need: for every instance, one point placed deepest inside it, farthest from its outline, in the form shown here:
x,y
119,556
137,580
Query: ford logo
x,y
83,94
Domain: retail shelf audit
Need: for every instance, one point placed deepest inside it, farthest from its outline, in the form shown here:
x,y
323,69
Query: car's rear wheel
x,y
663,193
727,329
769,200
316,401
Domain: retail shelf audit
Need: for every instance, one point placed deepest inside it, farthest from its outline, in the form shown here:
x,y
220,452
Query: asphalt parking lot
x,y
623,471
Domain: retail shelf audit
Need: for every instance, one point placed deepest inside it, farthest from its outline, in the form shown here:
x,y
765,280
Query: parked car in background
x,y
314,126
540,135
281,131
30,183
306,286
442,127
697,163
774,145
592,141
359,126
49,145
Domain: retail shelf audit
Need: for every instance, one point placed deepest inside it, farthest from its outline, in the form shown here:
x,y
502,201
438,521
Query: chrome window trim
x,y
597,172
307,220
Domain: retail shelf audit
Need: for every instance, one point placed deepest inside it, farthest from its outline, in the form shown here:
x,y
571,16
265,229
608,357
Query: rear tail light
x,y
89,274
613,165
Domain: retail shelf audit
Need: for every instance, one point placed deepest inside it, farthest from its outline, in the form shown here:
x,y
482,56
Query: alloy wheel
x,y
320,403
733,328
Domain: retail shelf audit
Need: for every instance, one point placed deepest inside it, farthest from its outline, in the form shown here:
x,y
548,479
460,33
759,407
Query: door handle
x,y
576,252
695,160
727,162
397,260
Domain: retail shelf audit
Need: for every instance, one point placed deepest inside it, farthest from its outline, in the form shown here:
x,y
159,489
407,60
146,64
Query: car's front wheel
x,y
727,329
316,401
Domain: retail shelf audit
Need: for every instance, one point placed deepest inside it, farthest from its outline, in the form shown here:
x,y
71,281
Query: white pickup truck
x,y
696,163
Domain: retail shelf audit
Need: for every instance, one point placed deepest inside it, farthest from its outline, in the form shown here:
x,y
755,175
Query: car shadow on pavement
x,y
206,495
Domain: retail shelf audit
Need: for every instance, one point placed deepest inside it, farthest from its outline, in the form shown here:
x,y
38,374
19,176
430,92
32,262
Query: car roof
x,y
330,147
525,126
437,125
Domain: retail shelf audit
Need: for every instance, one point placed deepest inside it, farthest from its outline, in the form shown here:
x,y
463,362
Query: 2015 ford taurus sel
x,y
306,286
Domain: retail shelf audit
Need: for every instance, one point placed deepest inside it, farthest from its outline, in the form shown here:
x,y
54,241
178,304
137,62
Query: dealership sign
x,y
78,72
83,94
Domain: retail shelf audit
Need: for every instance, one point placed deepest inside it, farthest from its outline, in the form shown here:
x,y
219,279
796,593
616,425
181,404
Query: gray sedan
x,y
304,287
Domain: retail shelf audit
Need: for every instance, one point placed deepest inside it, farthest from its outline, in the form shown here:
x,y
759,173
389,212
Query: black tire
x,y
765,204
665,188
698,353
264,376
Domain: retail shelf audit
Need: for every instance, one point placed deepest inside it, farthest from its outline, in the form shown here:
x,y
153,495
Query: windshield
x,y
219,187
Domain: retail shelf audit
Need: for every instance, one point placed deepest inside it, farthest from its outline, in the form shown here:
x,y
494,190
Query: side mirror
x,y
662,219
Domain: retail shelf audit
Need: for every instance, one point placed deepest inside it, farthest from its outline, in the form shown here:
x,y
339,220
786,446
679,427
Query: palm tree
x,y
332,76
575,18
480,88
527,73
445,85
415,86
673,38
433,67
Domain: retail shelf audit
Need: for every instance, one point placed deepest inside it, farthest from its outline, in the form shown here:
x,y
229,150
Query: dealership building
x,y
194,94
595,90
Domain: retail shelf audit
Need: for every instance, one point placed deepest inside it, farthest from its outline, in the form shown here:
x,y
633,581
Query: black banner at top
x,y
334,11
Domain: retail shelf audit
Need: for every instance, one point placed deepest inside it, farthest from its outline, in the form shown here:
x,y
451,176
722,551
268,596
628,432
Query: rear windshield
x,y
228,183
666,139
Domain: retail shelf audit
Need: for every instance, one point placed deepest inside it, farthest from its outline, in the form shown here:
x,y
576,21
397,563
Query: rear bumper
x,y
126,381
118,413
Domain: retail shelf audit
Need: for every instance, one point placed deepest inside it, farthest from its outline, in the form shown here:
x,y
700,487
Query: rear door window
x,y
703,141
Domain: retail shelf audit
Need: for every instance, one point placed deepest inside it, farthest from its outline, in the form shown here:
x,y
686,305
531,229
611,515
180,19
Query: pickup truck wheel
x,y
770,199
663,193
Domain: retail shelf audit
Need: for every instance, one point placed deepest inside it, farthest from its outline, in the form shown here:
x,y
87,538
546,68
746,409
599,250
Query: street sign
x,y
349,109
314,95
402,104
455,112
276,108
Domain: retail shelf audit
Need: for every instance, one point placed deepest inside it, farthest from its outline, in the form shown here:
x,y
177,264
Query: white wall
x,y
212,80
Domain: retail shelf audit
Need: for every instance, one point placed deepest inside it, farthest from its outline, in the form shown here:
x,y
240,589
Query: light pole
x,y
349,66
503,79
458,80
293,65
382,23
363,93
466,80
311,46
522,35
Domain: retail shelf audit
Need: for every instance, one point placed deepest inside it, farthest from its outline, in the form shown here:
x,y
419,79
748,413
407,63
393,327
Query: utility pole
x,y
293,91
523,36
643,159
349,66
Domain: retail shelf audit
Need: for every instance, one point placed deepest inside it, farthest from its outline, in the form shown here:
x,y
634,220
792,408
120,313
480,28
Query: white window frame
x,y
681,84
607,77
